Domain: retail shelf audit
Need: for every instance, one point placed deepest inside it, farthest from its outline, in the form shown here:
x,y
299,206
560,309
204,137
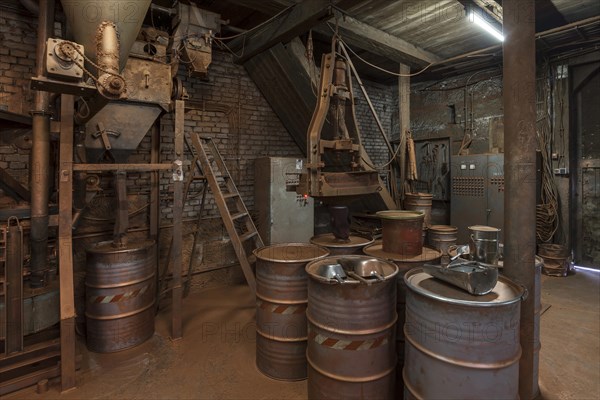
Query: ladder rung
x,y
230,195
248,235
239,215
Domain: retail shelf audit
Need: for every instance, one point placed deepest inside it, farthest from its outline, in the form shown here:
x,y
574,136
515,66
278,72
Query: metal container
x,y
442,236
402,231
555,259
281,298
420,202
404,264
351,332
120,294
460,346
354,244
484,244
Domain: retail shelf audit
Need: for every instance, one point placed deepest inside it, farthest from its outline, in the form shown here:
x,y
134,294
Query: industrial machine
x,y
477,193
283,215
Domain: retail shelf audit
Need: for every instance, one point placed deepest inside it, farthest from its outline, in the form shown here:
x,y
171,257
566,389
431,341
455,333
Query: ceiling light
x,y
478,20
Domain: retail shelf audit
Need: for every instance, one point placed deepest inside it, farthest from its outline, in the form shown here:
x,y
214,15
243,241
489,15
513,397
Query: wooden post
x,y
65,244
176,330
403,122
155,201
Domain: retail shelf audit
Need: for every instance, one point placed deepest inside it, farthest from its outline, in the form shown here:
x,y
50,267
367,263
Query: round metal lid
x,y
443,229
389,269
131,246
400,214
376,250
505,292
291,252
484,228
329,240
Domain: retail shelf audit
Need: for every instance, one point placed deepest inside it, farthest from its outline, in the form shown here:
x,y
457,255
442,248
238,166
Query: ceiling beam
x,y
376,41
283,28
488,9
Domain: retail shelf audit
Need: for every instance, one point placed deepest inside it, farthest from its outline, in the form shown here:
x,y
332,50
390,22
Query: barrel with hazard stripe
x,y
351,329
281,299
120,295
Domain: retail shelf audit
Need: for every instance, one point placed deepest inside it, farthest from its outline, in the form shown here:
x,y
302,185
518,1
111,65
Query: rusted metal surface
x,y
281,297
442,236
459,345
13,288
402,232
120,295
351,336
404,264
354,244
520,174
420,202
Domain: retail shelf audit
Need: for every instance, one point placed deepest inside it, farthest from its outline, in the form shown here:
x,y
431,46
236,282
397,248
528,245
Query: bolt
x,y
116,83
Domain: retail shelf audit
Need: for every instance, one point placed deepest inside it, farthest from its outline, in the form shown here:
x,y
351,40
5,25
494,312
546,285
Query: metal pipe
x,y
520,175
39,165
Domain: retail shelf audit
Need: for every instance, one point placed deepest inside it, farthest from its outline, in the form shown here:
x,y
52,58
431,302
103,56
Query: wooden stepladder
x,y
236,218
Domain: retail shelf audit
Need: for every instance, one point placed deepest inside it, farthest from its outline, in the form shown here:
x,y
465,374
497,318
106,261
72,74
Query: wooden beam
x,y
404,121
291,23
13,187
358,34
177,294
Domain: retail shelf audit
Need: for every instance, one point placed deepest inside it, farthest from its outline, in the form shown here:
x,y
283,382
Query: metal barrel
x,y
402,231
354,244
120,295
484,244
404,264
281,297
351,333
420,202
461,346
442,236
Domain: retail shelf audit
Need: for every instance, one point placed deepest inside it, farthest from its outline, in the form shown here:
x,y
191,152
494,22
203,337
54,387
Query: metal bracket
x,y
103,133
178,172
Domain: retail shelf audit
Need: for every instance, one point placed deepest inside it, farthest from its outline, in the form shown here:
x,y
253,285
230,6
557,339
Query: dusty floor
x,y
215,359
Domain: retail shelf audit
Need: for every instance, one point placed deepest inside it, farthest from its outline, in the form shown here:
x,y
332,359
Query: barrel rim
x,y
424,292
322,279
436,229
256,252
369,240
376,250
140,246
404,215
483,228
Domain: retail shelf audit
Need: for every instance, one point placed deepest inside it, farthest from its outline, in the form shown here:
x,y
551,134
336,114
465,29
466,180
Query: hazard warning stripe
x,y
281,308
352,345
119,297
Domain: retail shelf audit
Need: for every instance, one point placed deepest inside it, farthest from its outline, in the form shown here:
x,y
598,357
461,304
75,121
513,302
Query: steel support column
x,y
520,175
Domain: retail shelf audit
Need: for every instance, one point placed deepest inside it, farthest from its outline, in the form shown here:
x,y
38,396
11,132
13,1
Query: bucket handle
x,y
525,294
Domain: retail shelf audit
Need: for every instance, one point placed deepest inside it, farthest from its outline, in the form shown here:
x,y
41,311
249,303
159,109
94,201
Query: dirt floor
x,y
215,358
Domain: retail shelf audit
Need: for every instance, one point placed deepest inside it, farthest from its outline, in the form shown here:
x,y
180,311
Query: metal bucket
x,y
402,231
404,264
420,202
354,245
281,298
442,236
484,244
120,295
460,346
351,333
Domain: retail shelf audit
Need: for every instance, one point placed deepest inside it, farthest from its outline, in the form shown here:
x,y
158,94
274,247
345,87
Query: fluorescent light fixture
x,y
489,28
587,269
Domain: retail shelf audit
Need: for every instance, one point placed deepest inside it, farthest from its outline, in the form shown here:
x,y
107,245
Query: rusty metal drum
x,y
404,264
402,231
351,331
442,236
354,244
120,295
458,345
281,297
420,202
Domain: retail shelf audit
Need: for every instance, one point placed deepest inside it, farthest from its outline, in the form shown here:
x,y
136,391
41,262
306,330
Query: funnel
x,y
85,16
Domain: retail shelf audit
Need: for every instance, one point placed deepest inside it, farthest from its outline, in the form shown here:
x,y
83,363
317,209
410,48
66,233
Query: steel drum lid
x,y
329,240
108,247
443,229
504,293
401,215
483,228
376,250
291,252
318,268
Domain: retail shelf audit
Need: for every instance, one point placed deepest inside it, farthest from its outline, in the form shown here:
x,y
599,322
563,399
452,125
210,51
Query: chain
x,y
66,51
